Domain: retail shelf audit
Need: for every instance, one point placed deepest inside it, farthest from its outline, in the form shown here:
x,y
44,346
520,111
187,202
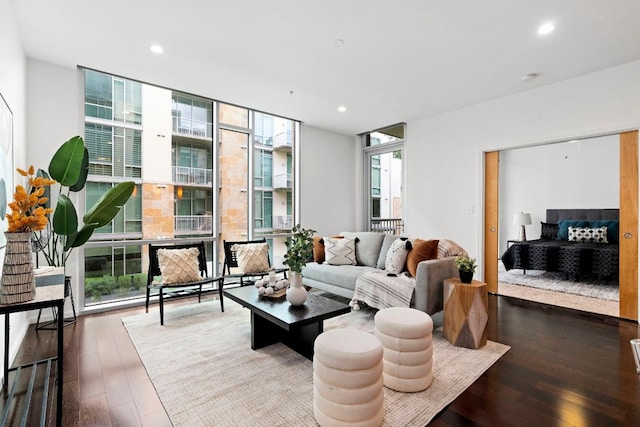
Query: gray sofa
x,y
371,252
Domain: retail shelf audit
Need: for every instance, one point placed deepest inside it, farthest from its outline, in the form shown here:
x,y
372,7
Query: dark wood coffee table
x,y
275,320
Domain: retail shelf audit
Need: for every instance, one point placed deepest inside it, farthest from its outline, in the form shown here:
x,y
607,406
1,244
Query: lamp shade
x,y
522,218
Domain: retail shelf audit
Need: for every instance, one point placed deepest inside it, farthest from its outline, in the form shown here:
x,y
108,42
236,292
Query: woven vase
x,y
18,280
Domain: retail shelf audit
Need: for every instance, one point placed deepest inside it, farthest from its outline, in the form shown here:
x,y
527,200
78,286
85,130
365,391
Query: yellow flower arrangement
x,y
27,209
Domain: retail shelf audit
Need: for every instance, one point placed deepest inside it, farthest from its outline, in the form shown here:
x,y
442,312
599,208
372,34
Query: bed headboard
x,y
555,215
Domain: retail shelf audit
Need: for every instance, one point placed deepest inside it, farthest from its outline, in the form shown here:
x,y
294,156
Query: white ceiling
x,y
401,59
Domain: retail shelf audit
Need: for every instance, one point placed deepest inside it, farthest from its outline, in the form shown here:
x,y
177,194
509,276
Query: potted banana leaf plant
x,y
69,166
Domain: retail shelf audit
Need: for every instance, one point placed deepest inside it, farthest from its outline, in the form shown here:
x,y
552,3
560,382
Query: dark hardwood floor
x,y
564,368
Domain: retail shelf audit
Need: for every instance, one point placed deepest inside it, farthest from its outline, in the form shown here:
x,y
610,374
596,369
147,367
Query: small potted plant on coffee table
x,y
466,267
299,251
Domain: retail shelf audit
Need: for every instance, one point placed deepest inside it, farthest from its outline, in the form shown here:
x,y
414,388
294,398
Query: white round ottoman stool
x,y
405,334
348,389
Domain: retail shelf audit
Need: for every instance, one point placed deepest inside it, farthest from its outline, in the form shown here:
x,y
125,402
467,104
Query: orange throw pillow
x,y
422,250
318,248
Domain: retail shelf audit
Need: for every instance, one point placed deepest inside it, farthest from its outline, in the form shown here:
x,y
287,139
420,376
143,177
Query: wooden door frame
x,y
628,277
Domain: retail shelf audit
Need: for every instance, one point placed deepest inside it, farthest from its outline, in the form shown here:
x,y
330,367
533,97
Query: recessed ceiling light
x,y
546,28
156,48
342,108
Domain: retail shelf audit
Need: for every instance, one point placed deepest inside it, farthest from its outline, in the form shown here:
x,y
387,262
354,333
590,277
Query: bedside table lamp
x,y
522,219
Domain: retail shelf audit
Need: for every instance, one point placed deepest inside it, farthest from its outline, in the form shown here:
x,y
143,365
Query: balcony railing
x,y
282,222
190,127
283,139
188,224
283,180
387,225
187,175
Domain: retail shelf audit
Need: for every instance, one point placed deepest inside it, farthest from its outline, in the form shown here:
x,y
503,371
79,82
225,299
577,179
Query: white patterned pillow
x,y
397,255
252,257
179,265
584,234
339,251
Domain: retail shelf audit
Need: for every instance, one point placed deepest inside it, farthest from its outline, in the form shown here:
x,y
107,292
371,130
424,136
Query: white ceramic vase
x,y
296,293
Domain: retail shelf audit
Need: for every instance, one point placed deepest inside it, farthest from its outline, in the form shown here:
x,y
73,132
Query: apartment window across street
x,y
189,157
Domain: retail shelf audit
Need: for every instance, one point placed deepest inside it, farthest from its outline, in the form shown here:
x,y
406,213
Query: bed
x,y
592,252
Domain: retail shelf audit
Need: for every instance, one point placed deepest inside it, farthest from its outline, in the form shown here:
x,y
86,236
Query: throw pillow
x,y
397,255
318,248
422,250
179,265
447,248
613,228
252,257
368,244
564,224
585,234
548,230
339,251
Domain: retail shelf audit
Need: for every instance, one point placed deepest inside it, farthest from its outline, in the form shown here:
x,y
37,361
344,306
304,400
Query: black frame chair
x,y
180,290
231,261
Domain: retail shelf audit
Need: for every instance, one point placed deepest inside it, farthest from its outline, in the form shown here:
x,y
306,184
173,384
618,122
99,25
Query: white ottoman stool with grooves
x,y
406,334
348,389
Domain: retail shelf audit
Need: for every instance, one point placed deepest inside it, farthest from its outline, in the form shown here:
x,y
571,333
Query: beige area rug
x,y
206,374
560,299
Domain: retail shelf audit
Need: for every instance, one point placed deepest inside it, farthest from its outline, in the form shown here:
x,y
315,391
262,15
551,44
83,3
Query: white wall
x,y
328,181
580,174
12,87
444,154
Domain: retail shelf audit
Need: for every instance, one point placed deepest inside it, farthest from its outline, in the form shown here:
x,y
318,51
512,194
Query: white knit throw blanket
x,y
378,290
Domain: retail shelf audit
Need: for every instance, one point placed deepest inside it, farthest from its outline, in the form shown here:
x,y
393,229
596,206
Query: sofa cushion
x,y
368,244
397,255
340,251
422,250
447,248
344,276
386,244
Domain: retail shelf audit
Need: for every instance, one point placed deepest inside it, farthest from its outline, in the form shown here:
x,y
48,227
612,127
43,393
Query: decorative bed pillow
x,y
397,255
584,234
179,265
368,244
421,250
613,228
339,251
564,224
447,248
252,257
548,230
318,248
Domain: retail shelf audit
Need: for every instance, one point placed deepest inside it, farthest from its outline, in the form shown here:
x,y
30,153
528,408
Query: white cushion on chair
x,y
252,257
179,265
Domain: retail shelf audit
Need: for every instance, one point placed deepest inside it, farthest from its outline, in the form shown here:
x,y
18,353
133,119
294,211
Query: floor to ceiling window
x,y
383,176
191,159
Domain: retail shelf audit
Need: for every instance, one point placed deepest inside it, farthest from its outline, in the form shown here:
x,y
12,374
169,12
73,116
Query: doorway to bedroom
x,y
588,173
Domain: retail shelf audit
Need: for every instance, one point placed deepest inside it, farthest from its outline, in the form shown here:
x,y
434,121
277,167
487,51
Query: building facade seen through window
x,y
190,159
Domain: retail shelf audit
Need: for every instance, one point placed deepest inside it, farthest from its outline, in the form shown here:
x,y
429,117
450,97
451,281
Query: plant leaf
x,y
81,237
84,172
109,205
66,163
65,218
47,189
